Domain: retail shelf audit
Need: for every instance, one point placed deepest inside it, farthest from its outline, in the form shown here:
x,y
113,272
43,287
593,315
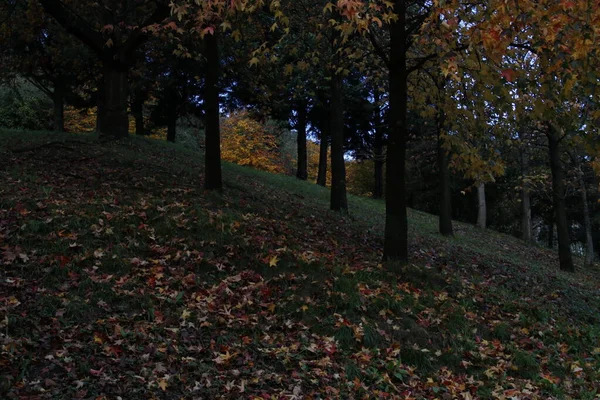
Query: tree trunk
x,y
171,115
589,240
137,109
302,172
445,218
525,199
378,152
378,165
339,201
100,106
322,173
213,179
558,197
58,98
115,121
551,232
482,214
171,127
395,248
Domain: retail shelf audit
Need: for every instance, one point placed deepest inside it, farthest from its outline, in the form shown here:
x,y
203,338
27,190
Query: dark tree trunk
x,y
378,165
171,114
525,199
171,128
322,173
589,239
58,98
339,201
115,121
378,152
302,172
445,218
100,106
395,248
137,109
213,179
482,206
558,197
551,232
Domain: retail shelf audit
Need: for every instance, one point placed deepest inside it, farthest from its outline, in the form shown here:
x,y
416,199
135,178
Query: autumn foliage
x,y
246,141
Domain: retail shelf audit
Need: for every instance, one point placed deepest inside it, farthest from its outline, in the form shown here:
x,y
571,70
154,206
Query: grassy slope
x,y
119,276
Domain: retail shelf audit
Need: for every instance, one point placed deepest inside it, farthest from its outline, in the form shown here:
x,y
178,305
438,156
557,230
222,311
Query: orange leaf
x,y
509,74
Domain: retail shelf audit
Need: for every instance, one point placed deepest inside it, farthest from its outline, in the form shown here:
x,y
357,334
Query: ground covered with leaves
x,y
120,276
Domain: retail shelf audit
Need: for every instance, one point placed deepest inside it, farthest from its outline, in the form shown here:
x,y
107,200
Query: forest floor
x,y
121,278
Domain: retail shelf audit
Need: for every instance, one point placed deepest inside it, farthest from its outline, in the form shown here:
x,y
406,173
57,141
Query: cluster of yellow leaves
x,y
84,121
157,134
360,177
245,141
80,121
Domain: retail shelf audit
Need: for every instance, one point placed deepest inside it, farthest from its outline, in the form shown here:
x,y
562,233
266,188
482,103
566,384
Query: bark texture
x,y
213,179
395,248
445,217
339,200
482,207
115,123
378,157
526,226
58,99
558,200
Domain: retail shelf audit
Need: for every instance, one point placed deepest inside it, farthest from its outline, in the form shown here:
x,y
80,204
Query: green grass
x,y
119,273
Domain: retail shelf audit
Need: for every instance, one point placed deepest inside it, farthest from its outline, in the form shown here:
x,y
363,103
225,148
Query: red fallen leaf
x,y
330,349
189,280
49,383
509,74
246,340
63,260
96,372
116,350
158,316
265,291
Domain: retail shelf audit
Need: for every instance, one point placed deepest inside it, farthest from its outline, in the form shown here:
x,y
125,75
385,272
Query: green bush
x,y
23,108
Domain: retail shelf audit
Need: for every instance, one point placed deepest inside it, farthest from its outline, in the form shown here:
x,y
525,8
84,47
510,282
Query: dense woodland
x,y
286,199
482,112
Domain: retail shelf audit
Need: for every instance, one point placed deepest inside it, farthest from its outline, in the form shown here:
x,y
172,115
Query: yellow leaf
x,y
162,383
304,307
273,262
98,339
185,314
109,43
225,26
253,61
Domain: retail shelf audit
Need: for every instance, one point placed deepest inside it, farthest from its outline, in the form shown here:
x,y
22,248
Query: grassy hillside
x,y
120,276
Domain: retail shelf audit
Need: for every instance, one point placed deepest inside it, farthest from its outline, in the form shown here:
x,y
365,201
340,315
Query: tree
x,y
114,31
35,48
